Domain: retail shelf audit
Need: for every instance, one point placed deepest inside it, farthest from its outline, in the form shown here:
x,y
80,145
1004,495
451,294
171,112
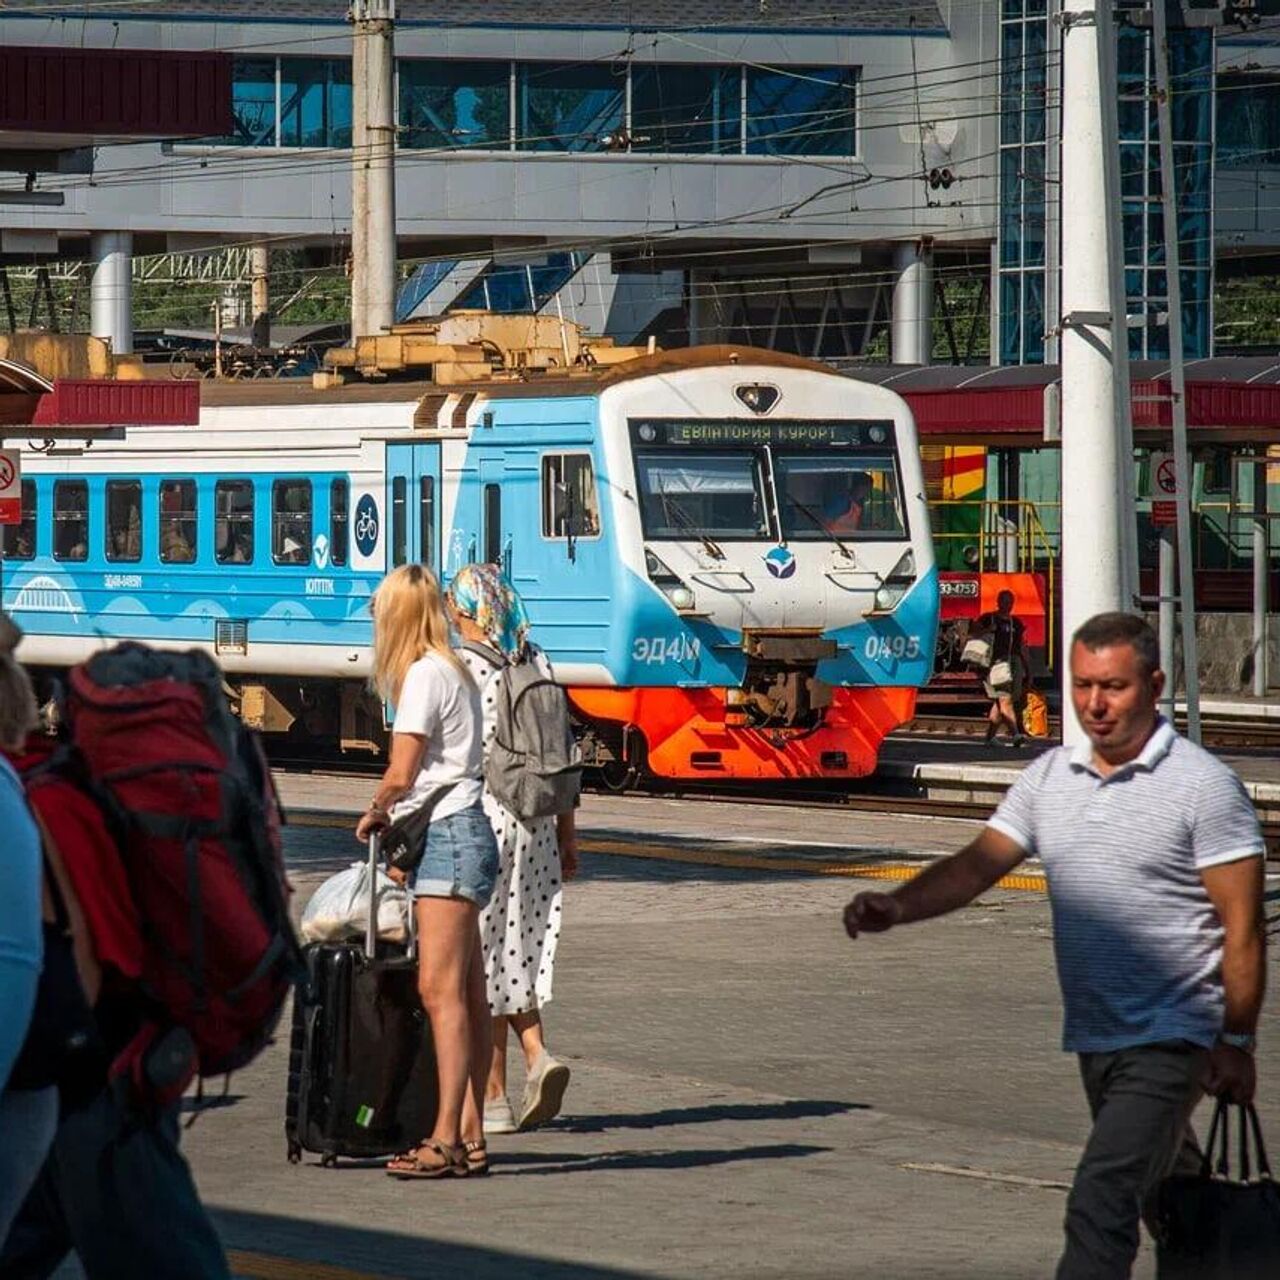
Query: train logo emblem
x,y
780,562
759,397
366,529
320,552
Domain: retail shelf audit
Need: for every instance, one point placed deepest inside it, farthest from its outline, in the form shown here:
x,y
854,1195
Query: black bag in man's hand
x,y
1214,1226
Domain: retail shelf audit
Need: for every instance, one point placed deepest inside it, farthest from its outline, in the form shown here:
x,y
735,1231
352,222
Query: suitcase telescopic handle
x,y
371,925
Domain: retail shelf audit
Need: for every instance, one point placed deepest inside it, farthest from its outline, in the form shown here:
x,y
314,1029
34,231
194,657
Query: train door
x,y
413,505
495,538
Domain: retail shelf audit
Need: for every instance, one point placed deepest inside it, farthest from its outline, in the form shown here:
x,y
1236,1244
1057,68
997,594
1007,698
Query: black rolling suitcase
x,y
362,1069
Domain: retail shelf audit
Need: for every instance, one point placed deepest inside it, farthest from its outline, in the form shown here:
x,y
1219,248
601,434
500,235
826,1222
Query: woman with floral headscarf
x,y
521,925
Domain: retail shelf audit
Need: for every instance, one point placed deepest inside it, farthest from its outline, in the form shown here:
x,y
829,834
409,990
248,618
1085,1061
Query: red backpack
x,y
185,790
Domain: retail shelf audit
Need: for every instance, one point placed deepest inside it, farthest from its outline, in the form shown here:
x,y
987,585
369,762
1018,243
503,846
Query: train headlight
x,y
878,435
888,597
681,597
669,583
647,433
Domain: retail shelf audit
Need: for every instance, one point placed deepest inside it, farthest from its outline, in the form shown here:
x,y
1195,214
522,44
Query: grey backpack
x,y
533,766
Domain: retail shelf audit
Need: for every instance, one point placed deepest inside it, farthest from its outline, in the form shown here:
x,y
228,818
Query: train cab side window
x,y
427,520
70,520
291,522
339,522
124,520
233,521
177,521
570,508
20,538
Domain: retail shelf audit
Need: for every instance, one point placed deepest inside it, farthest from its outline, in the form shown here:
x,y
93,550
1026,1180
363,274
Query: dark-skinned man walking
x,y
1154,861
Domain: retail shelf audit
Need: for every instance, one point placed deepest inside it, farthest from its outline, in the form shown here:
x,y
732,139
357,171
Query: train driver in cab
x,y
844,509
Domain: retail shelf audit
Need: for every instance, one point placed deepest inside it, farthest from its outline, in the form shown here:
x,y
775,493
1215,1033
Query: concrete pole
x,y
260,294
1261,574
1091,538
111,292
1167,591
375,28
359,177
911,339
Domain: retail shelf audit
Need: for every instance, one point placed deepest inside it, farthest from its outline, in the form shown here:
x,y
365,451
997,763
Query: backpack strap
x,y
490,655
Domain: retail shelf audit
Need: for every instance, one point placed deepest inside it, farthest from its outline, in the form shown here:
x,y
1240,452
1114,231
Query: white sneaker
x,y
498,1116
543,1092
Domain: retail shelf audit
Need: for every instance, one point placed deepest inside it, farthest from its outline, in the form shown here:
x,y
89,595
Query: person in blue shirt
x,y
28,1118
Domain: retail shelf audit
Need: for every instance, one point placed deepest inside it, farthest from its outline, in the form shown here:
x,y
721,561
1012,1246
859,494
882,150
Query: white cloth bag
x,y
339,908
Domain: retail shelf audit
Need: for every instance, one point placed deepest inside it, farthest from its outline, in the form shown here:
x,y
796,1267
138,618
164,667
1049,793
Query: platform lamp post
x,y
1097,454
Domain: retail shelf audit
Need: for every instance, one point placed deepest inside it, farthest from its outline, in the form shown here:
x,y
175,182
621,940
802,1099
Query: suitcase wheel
x,y
295,1151
328,1160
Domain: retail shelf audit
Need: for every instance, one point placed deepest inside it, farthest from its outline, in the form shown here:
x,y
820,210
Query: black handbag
x,y
1213,1226
405,840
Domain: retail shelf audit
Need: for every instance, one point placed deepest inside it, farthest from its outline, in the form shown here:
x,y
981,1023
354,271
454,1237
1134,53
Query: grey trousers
x,y
120,1194
1141,1099
28,1121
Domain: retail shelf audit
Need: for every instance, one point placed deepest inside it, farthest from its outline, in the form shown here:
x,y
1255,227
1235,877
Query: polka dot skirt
x,y
521,925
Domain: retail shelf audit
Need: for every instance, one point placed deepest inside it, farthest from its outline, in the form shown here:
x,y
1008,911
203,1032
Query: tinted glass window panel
x,y
233,521
339,522
1248,131
399,521
124,520
570,106
493,524
177,521
253,102
466,105
315,102
291,521
569,504
689,495
71,520
822,497
20,539
427,521
677,108
807,111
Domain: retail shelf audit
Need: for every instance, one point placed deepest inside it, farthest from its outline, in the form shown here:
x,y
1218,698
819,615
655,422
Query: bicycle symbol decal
x,y
366,524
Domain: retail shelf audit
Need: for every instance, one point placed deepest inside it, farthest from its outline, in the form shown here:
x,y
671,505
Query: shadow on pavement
x,y
260,1245
568,1162
709,1114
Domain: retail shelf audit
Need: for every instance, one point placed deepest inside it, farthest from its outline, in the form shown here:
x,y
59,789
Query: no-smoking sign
x,y
10,487
1164,489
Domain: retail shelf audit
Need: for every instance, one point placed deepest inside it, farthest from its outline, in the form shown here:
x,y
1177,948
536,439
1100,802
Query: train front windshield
x,y
820,495
795,480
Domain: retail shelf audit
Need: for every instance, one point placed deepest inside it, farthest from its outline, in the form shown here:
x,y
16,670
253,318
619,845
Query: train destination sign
x,y
784,433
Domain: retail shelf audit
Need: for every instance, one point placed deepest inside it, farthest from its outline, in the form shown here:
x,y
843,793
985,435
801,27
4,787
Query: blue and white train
x,y
725,552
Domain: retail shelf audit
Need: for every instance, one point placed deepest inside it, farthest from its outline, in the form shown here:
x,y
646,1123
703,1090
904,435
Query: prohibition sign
x,y
8,473
1167,477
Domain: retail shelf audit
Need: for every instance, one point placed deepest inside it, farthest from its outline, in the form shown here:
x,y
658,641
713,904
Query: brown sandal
x,y
477,1157
410,1164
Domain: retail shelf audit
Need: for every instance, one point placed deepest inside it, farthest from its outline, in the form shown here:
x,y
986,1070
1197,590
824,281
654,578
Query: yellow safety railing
x,y
1010,538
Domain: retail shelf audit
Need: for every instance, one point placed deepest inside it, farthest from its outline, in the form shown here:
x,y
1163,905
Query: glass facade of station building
x,y
1030,76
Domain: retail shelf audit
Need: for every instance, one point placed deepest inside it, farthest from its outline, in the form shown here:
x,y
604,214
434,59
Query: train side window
x,y
427,520
177,521
233,521
570,508
70,520
339,522
20,538
124,520
493,524
399,525
291,522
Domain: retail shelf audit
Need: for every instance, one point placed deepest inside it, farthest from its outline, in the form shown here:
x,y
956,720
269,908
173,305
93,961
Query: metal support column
x,y
260,294
376,265
1168,616
912,331
1261,579
1169,185
111,293
1092,559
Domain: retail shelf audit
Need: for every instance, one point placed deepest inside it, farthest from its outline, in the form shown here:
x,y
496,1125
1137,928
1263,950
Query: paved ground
x,y
753,1095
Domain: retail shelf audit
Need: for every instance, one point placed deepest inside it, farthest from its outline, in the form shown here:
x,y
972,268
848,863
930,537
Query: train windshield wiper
x,y
819,523
686,522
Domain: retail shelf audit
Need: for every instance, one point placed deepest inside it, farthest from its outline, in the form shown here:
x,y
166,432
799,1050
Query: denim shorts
x,y
461,858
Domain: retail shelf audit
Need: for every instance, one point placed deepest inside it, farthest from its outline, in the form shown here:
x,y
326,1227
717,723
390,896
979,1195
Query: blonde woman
x,y
436,743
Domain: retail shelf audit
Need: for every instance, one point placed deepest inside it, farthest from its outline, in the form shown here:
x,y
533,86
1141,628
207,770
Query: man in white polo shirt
x,y
1153,856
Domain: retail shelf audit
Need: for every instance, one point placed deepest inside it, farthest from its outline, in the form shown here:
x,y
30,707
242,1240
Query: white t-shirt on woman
x,y
441,705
